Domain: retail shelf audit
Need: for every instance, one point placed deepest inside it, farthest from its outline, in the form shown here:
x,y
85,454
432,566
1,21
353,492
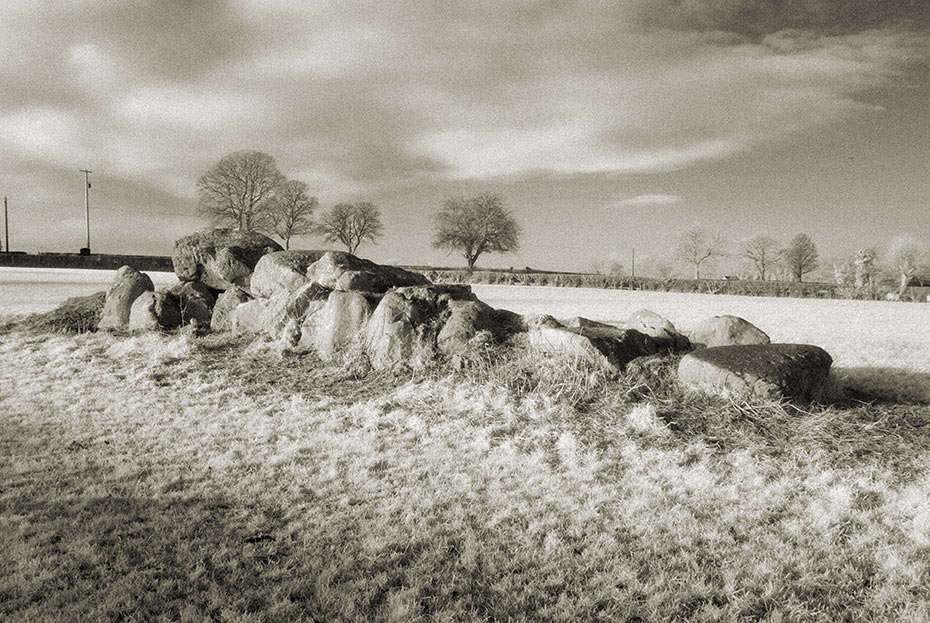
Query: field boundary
x,y
93,261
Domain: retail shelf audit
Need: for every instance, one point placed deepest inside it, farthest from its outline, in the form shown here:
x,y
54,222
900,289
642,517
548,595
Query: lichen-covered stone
x,y
757,371
220,258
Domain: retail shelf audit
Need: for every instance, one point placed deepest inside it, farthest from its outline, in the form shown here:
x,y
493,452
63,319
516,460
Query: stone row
x,y
332,302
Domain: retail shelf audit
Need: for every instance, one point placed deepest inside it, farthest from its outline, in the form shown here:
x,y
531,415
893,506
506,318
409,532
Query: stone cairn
x,y
331,301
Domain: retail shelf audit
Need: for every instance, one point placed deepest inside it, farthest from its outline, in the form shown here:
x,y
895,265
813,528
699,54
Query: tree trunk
x,y
904,280
471,263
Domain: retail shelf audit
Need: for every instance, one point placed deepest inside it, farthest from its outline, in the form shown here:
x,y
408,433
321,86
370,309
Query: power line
x,y
140,211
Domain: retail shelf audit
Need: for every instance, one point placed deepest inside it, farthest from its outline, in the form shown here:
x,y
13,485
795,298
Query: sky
x,y
605,126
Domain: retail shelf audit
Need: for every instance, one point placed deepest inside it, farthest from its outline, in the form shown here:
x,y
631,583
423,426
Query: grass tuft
x,y
79,314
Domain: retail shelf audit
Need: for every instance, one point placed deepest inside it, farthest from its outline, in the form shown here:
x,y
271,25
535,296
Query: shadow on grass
x,y
885,385
128,558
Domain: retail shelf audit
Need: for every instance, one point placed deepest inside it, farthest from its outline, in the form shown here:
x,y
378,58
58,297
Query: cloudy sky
x,y
604,125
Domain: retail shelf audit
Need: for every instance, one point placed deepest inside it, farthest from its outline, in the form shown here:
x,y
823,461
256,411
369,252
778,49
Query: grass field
x,y
163,477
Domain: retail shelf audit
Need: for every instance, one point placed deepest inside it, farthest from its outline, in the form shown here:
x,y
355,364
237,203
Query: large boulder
x,y
616,347
338,323
757,371
195,300
404,328
226,304
338,270
726,331
220,258
663,332
155,311
122,293
282,271
466,318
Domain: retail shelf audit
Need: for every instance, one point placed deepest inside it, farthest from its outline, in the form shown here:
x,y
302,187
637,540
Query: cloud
x,y
648,200
361,96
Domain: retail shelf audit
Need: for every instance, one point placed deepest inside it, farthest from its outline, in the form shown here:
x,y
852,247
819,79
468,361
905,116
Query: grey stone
x,y
220,258
534,321
390,337
726,331
226,303
122,293
614,346
338,270
663,332
195,300
340,322
585,323
249,317
282,270
466,319
153,311
757,371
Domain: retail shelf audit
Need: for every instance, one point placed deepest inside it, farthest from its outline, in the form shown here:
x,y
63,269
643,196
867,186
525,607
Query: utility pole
x,y
86,250
6,226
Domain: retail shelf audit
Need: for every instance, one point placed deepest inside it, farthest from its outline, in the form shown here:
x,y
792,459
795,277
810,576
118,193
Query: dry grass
x,y
167,477
78,314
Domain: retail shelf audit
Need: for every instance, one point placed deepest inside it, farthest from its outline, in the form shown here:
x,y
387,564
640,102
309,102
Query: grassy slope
x,y
160,477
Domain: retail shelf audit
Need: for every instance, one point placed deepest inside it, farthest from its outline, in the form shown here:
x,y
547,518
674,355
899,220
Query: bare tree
x,y
800,256
865,268
475,226
290,211
697,245
237,190
762,251
906,257
351,224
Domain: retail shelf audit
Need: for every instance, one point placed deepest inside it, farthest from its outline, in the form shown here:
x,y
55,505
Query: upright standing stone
x,y
121,294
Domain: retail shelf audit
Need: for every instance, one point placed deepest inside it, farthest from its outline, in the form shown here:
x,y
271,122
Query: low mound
x,y
79,314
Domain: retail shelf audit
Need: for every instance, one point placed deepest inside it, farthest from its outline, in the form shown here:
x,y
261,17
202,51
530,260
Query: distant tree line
x,y
904,261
